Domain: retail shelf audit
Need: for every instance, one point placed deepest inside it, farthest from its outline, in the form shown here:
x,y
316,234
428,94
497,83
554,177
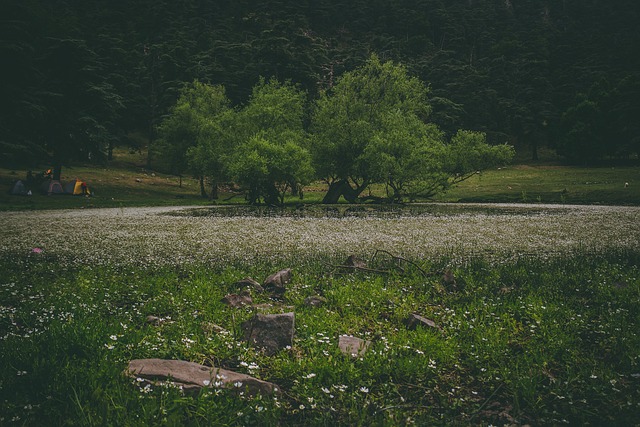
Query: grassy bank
x,y
552,184
126,182
527,341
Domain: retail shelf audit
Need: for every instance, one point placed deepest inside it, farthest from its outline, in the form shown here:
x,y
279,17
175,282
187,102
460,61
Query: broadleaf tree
x,y
192,124
372,128
270,156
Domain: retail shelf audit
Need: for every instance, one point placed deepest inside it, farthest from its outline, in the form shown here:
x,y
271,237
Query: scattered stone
x,y
269,308
138,180
353,346
235,300
250,283
157,321
271,332
315,301
277,281
415,320
355,262
154,320
449,281
621,284
192,377
211,328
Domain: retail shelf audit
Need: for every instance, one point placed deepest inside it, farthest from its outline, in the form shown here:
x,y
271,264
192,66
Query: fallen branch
x,y
358,268
399,258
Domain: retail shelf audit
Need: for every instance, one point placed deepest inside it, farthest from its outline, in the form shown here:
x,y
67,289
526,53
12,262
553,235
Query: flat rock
x,y
235,300
157,321
353,346
210,328
415,320
273,308
192,377
271,332
315,301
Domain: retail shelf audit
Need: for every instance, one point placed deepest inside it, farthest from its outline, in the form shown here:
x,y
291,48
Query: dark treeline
x,y
79,76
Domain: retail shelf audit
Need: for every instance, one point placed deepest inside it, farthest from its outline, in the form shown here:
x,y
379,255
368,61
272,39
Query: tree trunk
x,y
203,192
57,166
57,171
344,189
214,190
334,193
534,149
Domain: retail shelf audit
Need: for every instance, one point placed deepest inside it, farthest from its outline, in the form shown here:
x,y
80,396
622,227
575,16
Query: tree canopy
x,y
79,77
371,128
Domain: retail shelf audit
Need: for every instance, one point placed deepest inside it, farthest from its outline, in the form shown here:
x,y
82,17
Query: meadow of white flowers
x,y
157,236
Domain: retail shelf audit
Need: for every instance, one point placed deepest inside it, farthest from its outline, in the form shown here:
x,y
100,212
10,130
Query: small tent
x,y
51,186
76,188
18,189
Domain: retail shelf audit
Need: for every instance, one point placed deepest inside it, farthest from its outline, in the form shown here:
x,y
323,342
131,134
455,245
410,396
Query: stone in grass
x,y
355,262
271,332
275,283
249,283
315,301
210,328
156,321
235,300
192,377
352,346
415,320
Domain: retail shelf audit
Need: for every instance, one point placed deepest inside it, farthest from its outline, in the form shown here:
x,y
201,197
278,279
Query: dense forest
x,y
80,77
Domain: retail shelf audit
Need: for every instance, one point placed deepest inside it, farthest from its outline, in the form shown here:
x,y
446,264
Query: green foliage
x,y
601,122
193,135
468,153
371,128
269,169
493,66
527,341
269,157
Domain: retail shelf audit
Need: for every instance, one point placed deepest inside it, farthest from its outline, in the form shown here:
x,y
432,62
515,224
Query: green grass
x,y
551,184
126,182
526,341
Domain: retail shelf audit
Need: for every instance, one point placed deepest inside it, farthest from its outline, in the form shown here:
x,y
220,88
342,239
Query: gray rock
x,y
273,308
235,300
157,321
315,301
210,328
353,346
356,262
154,320
249,283
192,377
276,283
415,320
449,281
271,332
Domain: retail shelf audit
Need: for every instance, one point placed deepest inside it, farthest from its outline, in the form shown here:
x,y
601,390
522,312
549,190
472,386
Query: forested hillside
x,y
80,76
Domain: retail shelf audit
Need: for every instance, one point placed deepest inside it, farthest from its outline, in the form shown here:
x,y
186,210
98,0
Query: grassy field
x,y
126,182
522,342
540,327
552,184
